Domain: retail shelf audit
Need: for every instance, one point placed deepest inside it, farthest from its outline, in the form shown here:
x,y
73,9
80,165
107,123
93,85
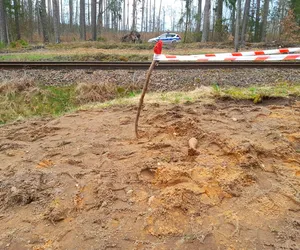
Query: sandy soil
x,y
82,181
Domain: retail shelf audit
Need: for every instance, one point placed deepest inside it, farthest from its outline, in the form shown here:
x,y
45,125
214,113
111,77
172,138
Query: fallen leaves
x,y
45,164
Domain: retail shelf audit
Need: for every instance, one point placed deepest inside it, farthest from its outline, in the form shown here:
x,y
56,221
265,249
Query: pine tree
x,y
264,20
43,17
56,20
3,31
245,20
94,19
82,20
219,21
237,26
206,23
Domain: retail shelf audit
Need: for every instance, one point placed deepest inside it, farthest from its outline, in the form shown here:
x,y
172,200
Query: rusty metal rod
x,y
144,65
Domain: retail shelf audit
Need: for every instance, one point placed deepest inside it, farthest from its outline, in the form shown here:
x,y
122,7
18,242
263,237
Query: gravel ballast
x,y
161,80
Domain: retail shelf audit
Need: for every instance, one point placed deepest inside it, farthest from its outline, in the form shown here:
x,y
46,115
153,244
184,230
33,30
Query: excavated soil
x,y
82,181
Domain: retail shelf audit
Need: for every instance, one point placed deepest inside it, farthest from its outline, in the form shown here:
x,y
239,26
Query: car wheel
x,y
174,41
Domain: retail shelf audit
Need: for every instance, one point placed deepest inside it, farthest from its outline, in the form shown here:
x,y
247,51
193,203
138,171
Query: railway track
x,y
145,65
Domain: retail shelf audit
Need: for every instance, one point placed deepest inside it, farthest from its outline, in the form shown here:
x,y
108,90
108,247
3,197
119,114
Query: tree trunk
x,y
127,17
186,22
219,21
187,17
150,15
23,14
264,21
143,16
159,16
147,10
82,20
252,22
89,14
112,21
94,21
49,14
153,19
30,20
55,4
198,25
49,8
206,22
17,23
173,20
245,21
71,13
233,20
115,15
38,18
282,13
107,24
61,11
257,20
124,16
164,19
237,26
133,26
43,15
60,6
3,31
76,12
100,16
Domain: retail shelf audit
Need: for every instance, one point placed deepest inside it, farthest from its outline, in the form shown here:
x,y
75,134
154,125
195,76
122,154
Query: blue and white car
x,y
166,38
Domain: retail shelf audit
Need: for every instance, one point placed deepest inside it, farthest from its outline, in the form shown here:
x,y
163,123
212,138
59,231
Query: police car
x,y
166,38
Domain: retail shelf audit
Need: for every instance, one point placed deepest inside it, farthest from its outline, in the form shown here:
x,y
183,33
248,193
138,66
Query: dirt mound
x,y
83,181
133,37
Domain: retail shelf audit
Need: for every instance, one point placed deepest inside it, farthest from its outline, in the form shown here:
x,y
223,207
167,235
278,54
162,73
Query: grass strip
x,y
26,99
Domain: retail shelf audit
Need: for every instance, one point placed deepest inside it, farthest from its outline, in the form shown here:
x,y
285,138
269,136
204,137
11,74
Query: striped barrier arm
x,y
254,53
282,57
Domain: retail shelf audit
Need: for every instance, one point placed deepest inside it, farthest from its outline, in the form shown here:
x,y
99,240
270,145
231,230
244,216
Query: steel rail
x,y
145,65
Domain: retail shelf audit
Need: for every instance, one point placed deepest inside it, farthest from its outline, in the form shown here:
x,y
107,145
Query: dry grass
x,y
26,98
110,50
258,93
95,92
101,52
13,86
76,55
108,36
205,94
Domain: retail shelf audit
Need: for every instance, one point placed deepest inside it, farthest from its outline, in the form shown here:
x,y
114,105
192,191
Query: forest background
x,y
55,21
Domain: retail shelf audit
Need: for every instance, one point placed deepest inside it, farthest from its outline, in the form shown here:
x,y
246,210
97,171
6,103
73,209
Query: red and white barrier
x,y
201,58
254,53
